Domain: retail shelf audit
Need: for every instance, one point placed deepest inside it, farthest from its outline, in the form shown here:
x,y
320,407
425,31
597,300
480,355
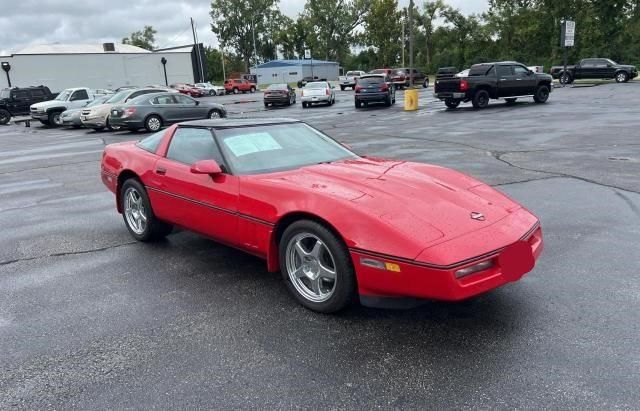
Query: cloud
x,y
91,21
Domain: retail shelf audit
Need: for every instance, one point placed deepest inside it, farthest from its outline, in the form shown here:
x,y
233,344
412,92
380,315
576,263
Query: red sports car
x,y
337,225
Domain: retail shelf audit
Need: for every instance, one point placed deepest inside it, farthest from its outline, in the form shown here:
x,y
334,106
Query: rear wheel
x,y
425,84
358,104
451,103
138,215
252,89
5,116
622,77
316,267
153,123
481,99
565,78
542,95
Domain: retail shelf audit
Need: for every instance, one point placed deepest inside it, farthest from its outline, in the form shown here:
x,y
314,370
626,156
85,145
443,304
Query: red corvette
x,y
338,226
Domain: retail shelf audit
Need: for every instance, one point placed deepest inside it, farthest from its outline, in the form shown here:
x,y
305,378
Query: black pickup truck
x,y
508,80
595,69
16,101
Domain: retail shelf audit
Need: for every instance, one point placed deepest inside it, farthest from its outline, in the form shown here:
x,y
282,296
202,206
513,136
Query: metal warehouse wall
x,y
329,72
60,71
287,74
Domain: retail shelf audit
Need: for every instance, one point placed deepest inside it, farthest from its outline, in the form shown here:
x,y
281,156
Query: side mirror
x,y
197,103
210,167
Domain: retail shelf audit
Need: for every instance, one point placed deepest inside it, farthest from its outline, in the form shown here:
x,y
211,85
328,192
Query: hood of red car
x,y
431,203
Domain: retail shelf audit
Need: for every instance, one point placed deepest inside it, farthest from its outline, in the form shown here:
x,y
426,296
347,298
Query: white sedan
x,y
211,89
318,92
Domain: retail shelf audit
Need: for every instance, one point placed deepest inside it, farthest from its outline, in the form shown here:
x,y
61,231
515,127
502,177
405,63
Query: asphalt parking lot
x,y
90,319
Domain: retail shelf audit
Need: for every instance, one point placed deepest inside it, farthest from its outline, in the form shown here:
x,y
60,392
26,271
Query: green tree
x,y
144,38
382,30
237,22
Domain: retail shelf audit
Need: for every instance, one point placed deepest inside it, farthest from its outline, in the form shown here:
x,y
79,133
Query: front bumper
x,y
132,123
410,279
71,121
39,115
91,122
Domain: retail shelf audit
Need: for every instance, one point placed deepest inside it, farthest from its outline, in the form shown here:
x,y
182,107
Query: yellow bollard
x,y
410,99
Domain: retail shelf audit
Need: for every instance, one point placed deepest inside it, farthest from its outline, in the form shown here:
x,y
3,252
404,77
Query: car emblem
x,y
477,216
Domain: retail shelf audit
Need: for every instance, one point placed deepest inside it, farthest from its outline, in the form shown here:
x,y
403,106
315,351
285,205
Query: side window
x,y
602,63
79,95
152,142
139,93
163,100
182,99
492,71
520,71
190,145
588,63
504,71
37,93
20,94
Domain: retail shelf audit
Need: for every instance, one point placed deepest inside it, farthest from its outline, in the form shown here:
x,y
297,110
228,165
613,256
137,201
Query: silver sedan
x,y
318,92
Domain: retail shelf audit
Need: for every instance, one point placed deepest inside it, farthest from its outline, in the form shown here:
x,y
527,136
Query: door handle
x,y
161,170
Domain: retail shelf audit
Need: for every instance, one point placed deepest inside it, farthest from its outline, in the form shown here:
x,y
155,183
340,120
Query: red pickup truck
x,y
236,86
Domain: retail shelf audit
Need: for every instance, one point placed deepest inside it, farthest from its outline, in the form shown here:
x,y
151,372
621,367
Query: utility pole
x,y
255,50
403,41
224,75
411,43
196,50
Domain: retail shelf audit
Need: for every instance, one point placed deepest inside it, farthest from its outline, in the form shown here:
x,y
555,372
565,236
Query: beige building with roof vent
x,y
99,66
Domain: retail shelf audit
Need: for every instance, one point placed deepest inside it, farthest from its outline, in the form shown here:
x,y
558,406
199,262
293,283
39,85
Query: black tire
x,y
154,229
622,77
153,123
45,122
54,119
5,116
342,88
358,104
344,291
235,90
481,99
212,92
451,103
425,84
113,128
214,114
542,94
565,78
510,100
266,104
387,101
252,89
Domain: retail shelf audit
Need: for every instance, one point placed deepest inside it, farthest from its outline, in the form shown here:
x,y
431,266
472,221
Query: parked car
x,y
153,111
403,73
97,117
102,92
71,117
17,101
189,90
595,68
375,88
125,88
237,85
318,92
350,79
508,79
279,94
211,89
339,227
48,112
385,71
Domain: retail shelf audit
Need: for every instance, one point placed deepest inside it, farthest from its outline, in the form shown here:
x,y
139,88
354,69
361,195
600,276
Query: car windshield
x,y
352,73
277,87
612,62
365,81
119,97
379,71
63,96
4,93
316,84
279,147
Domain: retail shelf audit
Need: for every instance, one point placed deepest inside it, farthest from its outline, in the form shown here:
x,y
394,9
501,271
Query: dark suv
x,y
375,88
16,101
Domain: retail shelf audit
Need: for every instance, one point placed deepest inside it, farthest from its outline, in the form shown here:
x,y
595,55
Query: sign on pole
x,y
568,33
307,54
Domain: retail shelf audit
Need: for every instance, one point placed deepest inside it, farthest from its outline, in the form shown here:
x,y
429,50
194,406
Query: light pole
x,y
164,67
6,67
411,43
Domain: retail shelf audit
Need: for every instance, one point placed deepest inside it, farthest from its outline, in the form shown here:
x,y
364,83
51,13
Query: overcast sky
x,y
27,22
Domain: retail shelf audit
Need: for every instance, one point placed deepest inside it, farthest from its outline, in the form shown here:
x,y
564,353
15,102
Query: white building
x,y
107,65
291,71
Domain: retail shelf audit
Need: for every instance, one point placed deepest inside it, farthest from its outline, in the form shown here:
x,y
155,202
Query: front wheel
x,y
316,267
622,77
542,95
481,99
451,103
55,119
215,114
138,215
565,78
212,92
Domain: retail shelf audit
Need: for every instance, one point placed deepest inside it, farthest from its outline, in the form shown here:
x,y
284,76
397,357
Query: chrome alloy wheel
x,y
311,267
621,77
154,124
214,114
134,211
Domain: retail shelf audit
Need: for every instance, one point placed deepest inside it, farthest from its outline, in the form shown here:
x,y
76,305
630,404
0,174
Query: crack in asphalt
x,y
46,167
64,254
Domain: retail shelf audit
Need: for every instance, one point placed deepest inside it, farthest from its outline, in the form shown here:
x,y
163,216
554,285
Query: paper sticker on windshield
x,y
251,143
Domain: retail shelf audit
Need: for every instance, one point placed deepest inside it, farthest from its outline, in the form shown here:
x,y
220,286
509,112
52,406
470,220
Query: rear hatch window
x,y
368,81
